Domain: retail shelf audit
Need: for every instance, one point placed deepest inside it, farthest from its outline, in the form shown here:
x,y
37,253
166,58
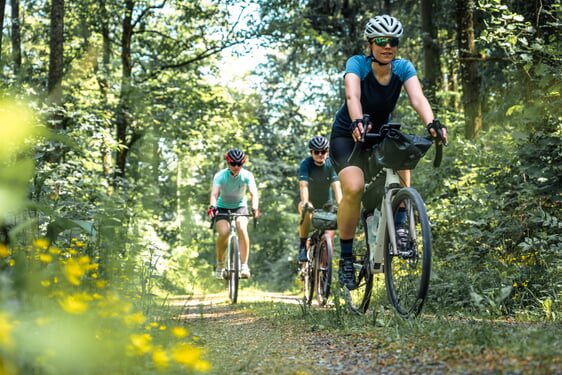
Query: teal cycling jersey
x,y
233,188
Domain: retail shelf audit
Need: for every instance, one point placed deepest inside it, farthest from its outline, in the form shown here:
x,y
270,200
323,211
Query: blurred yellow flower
x,y
76,303
160,358
140,344
54,250
6,327
74,269
189,355
41,243
135,319
179,332
101,284
45,258
4,251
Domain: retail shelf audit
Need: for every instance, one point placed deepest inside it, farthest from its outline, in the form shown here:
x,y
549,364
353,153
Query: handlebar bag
x,y
324,220
400,151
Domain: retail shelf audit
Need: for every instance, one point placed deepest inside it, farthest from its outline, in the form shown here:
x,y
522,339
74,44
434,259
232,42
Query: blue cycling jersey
x,y
377,100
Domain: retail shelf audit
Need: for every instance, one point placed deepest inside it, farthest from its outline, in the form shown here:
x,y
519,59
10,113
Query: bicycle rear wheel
x,y
407,269
359,299
323,269
233,269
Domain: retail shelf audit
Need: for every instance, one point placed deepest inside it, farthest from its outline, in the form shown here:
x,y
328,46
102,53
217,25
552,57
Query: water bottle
x,y
372,227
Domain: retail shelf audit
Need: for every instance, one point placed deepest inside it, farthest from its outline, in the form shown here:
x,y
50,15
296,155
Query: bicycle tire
x,y
310,273
323,269
233,269
359,299
407,270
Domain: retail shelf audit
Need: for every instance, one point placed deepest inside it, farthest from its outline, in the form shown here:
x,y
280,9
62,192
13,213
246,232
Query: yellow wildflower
x,y
74,271
135,319
41,243
101,284
179,332
6,327
140,344
45,258
188,355
4,251
160,358
76,303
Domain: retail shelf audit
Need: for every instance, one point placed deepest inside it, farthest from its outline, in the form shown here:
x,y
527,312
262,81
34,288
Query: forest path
x,y
260,336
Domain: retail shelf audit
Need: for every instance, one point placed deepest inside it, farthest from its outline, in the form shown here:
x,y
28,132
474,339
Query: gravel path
x,y
237,341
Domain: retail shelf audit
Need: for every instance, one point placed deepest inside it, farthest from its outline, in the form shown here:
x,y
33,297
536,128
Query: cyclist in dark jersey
x,y
372,86
316,176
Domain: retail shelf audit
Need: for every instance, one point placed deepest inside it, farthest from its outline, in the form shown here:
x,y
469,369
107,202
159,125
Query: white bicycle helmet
x,y
384,25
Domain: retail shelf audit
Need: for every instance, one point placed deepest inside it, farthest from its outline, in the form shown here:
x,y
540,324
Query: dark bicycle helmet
x,y
235,155
318,143
384,25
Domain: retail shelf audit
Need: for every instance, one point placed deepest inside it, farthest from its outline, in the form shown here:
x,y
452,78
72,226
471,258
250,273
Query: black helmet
x,y
235,156
318,143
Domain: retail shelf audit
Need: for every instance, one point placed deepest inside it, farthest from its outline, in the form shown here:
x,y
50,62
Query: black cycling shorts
x,y
239,210
340,150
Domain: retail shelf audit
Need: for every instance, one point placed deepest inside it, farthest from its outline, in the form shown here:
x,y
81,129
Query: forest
x,y
116,114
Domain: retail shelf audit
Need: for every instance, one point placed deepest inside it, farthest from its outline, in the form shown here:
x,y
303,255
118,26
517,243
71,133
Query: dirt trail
x,y
238,342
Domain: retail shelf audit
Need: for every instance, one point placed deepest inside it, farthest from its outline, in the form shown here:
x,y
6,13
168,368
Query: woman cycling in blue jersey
x,y
372,86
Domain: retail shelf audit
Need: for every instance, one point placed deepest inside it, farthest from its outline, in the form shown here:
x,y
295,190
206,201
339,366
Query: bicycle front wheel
x,y
408,266
308,276
233,268
323,269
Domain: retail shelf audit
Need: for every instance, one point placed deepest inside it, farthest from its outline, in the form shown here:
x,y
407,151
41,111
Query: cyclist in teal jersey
x,y
228,193
372,86
316,176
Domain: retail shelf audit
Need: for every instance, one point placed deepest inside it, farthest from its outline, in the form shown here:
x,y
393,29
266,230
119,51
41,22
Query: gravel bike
x,y
232,258
316,274
402,253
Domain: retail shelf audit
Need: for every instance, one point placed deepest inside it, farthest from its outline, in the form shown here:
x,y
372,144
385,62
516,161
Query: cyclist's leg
x,y
404,177
223,228
304,229
352,183
243,239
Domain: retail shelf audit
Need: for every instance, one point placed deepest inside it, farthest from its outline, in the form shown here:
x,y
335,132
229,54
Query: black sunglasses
x,y
235,164
319,152
381,42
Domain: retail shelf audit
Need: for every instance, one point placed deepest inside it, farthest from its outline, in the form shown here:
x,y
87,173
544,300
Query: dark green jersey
x,y
319,180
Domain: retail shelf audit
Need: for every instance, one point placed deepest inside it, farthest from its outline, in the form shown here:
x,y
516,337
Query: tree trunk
x,y
469,69
16,36
123,112
432,61
56,56
2,10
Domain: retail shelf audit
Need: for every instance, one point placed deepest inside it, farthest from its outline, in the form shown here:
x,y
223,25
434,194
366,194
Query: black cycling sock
x,y
346,248
303,242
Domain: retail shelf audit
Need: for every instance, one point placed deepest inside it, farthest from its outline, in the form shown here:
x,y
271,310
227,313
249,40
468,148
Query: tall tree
x,y
432,58
469,68
56,54
2,10
16,36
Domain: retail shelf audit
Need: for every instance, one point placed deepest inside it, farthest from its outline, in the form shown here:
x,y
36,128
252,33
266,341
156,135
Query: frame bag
x,y
401,151
324,220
